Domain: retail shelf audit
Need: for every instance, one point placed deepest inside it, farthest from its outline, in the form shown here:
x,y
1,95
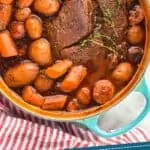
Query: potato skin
x,y
73,105
135,35
123,72
21,74
5,15
40,52
103,91
34,27
22,14
84,96
43,83
24,3
6,1
47,7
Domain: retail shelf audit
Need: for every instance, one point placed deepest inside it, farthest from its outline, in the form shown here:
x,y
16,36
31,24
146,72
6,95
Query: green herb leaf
x,y
99,35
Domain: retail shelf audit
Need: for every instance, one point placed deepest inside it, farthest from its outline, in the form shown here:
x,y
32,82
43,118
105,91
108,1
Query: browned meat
x,y
115,17
81,55
73,23
85,51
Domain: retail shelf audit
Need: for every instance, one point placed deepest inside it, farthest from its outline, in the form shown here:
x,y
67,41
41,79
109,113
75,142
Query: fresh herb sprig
x,y
99,35
95,39
119,3
108,17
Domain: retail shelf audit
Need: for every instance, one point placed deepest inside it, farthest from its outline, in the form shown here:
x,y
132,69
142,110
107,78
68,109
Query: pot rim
x,y
84,114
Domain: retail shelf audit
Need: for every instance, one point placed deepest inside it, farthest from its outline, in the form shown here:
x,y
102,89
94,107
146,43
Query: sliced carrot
x,y
31,96
58,69
7,45
73,79
43,83
56,102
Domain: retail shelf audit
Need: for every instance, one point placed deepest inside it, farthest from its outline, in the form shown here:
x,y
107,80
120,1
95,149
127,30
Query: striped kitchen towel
x,y
22,131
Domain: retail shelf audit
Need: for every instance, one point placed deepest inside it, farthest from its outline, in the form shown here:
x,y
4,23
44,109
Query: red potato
x,y
103,91
17,30
47,7
73,106
58,69
43,83
84,96
135,54
21,74
24,3
40,52
73,79
6,1
22,14
56,102
31,96
5,15
34,27
136,16
7,45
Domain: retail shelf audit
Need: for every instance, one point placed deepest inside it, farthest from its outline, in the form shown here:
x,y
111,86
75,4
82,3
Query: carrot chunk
x,y
73,79
56,102
7,45
59,69
31,96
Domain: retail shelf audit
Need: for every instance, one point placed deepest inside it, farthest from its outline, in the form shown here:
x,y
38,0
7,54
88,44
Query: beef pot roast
x,y
73,23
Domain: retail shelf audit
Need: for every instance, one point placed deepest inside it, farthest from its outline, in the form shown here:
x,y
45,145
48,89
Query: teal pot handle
x,y
92,123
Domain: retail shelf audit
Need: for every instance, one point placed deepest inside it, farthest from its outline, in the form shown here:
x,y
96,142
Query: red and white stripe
x,y
22,131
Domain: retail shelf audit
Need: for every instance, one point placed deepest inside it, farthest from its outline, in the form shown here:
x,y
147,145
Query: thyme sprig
x,y
95,40
108,17
99,35
107,14
119,2
104,46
